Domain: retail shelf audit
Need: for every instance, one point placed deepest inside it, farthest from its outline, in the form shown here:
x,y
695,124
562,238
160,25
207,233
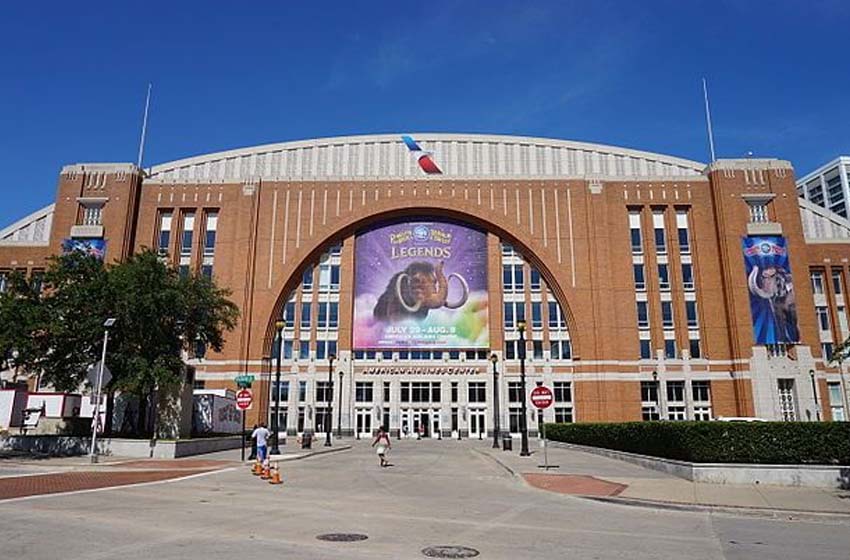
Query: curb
x,y
764,513
768,513
289,459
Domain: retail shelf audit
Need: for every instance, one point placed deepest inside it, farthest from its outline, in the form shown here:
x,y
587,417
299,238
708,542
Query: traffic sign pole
x,y
542,398
243,436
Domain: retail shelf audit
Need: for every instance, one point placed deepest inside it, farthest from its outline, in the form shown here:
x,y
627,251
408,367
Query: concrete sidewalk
x,y
648,487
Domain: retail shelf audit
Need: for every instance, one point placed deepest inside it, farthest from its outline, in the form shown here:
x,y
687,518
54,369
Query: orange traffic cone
x,y
275,479
266,473
257,469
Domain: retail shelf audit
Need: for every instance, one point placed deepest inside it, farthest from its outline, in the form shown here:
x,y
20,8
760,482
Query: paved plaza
x,y
436,493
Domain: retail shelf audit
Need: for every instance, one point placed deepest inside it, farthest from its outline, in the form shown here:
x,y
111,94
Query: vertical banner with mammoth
x,y
421,285
772,295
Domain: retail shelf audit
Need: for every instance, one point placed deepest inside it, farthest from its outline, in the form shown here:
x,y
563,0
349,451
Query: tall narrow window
x,y
817,282
663,276
684,236
534,280
307,280
634,231
210,232
642,315
691,312
837,284
305,315
187,233
687,276
164,238
660,236
640,278
536,315
667,314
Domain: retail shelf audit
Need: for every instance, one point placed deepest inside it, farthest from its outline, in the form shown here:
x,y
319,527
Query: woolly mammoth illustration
x,y
774,285
416,290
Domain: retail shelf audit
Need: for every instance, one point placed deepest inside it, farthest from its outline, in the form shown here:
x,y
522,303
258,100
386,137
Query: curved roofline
x,y
427,137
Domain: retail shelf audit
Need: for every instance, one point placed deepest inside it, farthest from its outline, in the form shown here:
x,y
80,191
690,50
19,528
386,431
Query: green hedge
x,y
788,443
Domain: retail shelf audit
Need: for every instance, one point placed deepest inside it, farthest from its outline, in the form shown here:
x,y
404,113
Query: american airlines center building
x,y
391,276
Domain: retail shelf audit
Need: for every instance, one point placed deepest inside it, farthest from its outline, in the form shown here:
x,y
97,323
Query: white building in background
x,y
828,186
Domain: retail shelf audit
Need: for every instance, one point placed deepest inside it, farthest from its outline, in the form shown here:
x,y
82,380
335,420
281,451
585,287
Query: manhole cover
x,y
347,537
449,552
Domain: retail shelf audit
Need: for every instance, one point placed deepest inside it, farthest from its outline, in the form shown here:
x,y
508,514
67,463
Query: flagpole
x,y
708,121
144,128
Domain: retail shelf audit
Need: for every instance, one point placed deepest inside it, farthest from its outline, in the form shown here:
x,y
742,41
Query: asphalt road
x,y
437,493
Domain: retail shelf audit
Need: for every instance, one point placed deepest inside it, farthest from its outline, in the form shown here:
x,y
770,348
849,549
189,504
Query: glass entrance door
x,y
477,427
364,422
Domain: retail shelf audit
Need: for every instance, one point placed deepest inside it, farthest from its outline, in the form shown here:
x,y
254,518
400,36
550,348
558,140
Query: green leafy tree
x,y
21,321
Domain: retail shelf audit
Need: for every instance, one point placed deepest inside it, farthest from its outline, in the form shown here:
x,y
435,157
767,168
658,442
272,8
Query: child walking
x,y
382,441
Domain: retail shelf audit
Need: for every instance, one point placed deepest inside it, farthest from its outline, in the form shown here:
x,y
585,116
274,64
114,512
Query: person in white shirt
x,y
262,436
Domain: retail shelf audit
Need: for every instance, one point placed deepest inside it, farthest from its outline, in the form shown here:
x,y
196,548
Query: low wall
x,y
813,476
119,447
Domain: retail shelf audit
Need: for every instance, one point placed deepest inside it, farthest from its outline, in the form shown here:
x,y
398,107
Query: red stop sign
x,y
541,397
244,398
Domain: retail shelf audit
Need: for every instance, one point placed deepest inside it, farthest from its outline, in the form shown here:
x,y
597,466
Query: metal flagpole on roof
x,y
708,120
144,127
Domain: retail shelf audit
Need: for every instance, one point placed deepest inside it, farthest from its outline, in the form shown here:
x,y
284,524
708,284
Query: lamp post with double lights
x,y
520,327
278,340
493,359
329,414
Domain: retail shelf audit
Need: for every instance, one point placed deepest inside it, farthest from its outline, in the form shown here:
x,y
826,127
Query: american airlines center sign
x,y
421,284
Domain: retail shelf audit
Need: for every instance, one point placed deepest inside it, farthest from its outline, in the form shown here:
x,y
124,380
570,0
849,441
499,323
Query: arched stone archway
x,y
473,204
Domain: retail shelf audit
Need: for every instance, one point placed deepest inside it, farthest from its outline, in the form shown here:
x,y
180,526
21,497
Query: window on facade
x,y
837,284
640,278
787,400
836,403
289,315
303,349
512,280
514,391
4,280
649,400
324,391
386,391
682,227
667,314
282,391
687,276
534,280
307,280
676,400
562,391
817,282
642,315
536,349
670,348
302,391
634,232
92,215
164,238
536,315
560,349
454,391
476,392
306,310
691,313
510,349
287,349
660,236
363,391
823,317
701,392
663,276
563,414
645,349
557,321
694,348
187,233
210,233
827,350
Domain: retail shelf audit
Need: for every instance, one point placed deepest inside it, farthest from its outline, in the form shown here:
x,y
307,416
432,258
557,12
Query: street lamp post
x,y
520,326
815,394
98,388
275,450
330,400
493,359
339,409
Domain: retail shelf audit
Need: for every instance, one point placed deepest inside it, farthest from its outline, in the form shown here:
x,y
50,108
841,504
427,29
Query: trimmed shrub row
x,y
783,443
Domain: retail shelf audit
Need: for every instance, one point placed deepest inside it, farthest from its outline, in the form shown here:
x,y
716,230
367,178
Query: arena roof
x,y
385,156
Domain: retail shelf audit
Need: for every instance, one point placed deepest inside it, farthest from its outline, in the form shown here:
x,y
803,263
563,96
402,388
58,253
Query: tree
x,y
160,319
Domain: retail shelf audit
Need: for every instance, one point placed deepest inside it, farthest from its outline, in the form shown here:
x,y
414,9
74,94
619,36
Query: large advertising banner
x,y
772,295
421,285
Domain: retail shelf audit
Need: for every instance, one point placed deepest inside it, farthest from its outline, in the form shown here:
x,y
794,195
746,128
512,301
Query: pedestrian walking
x,y
261,436
382,441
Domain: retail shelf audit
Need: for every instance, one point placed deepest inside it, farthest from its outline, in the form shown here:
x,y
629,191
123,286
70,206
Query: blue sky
x,y
233,74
